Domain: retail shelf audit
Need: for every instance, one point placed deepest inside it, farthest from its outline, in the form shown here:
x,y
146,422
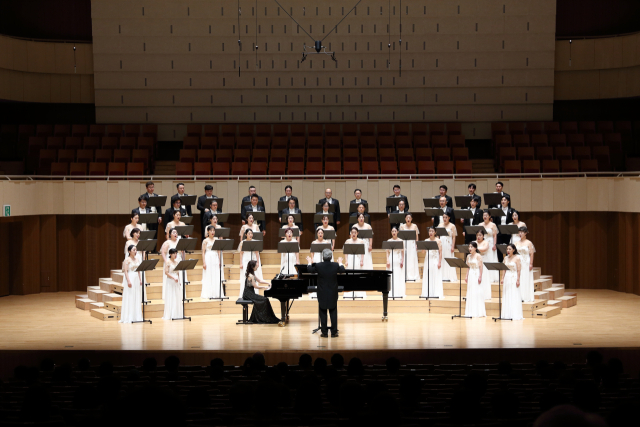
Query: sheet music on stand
x,y
498,266
157,201
317,218
208,202
430,202
188,200
184,230
328,234
145,266
221,245
282,232
148,234
297,218
148,218
332,208
186,219
492,199
183,266
393,246
463,202
353,207
353,249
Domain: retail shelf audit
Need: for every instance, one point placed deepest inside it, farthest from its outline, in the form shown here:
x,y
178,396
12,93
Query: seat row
x,y
97,169
91,142
612,140
600,154
551,128
130,130
310,167
48,156
550,166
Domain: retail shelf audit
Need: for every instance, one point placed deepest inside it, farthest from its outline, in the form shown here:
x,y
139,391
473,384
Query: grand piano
x,y
286,289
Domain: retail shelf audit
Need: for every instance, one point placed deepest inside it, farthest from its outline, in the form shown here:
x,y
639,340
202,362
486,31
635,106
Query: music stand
x,y
431,202
493,199
257,216
297,218
145,266
391,246
157,201
460,264
223,232
393,201
288,248
207,203
463,249
328,234
184,230
188,200
222,217
184,266
463,213
252,246
353,207
473,229
463,202
148,245
186,219
148,234
186,245
353,249
397,218
353,219
248,202
496,212
332,208
493,266
407,235
317,218
508,229
433,212
148,218
221,245
428,245
282,232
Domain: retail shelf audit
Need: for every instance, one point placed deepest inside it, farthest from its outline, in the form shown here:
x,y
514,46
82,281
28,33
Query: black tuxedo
x,y
477,197
248,199
284,199
187,207
201,208
136,211
296,210
390,209
168,215
336,214
436,219
327,292
449,200
499,206
248,209
158,209
477,220
366,205
397,212
503,239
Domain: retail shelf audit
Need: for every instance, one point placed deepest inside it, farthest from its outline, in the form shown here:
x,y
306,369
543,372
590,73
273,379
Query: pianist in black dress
x,y
262,311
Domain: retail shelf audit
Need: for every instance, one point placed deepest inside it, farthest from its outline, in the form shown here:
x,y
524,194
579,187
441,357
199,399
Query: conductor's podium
x,y
104,300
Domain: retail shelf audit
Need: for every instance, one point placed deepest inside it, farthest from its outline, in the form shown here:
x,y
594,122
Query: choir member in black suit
x,y
176,205
150,193
443,193
213,209
288,190
445,209
254,207
181,193
499,188
208,194
362,210
252,191
476,220
396,193
472,192
142,206
358,194
292,209
336,215
401,209
504,239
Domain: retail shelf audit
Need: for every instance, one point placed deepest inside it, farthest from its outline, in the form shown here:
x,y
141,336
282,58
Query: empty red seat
x,y
297,142
593,139
419,129
132,130
424,154
587,127
581,153
221,168
73,142
602,156
507,153
570,166
211,130
460,154
464,167
436,129
531,166
557,140
563,153
406,155
550,166
277,168
240,168
295,167
194,130
368,142
388,167
539,140
184,169
387,155
110,142
351,155
407,167
386,142
78,169
117,169
551,128
141,156
402,129
421,141
315,142
516,128
113,131
314,167
224,155
55,142
333,155
202,168
370,168
91,142
97,169
84,156
544,153
135,169
244,143
128,142
569,127
206,156
44,130
103,156
351,168
575,140
499,128
589,165
523,140
296,155
96,130
403,141
332,167
439,141
526,153
384,129
445,167
454,128
191,143
47,156
441,154
59,168
614,142
314,155
605,127
264,130
512,166
66,156
457,141
121,156
79,131
426,167
258,168
242,155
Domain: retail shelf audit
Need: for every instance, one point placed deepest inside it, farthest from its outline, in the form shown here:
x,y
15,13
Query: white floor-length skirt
x,y
511,299
131,310
413,270
354,264
474,306
448,272
398,287
211,287
432,277
173,302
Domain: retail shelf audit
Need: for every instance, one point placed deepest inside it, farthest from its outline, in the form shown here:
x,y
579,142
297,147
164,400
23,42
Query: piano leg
x,y
385,304
283,317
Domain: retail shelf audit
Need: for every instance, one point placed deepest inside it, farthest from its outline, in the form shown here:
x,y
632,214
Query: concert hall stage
x,y
51,324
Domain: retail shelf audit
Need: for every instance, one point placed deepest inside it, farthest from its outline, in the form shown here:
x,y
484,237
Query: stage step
x,y
97,294
80,296
541,295
84,303
568,301
546,312
93,288
111,297
555,293
97,305
103,314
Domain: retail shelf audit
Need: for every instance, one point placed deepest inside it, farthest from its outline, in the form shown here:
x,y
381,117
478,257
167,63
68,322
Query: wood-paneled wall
x,y
588,250
119,197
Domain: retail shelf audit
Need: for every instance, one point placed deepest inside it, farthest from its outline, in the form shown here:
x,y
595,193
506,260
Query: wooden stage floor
x,y
52,322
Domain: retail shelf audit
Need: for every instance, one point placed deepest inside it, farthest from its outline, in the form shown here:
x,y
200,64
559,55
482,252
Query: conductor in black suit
x,y
327,290
335,203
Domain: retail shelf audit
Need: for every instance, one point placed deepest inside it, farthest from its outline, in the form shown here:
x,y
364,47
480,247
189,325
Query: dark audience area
x,y
320,392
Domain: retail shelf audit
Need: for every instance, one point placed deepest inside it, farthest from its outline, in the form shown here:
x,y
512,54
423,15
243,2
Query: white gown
x,y
211,276
527,286
178,259
486,276
432,276
354,264
246,257
448,272
288,267
126,252
511,299
368,259
399,287
413,270
474,306
173,300
494,276
131,296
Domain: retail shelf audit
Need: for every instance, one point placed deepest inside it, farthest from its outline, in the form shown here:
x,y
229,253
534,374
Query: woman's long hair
x,y
515,250
251,266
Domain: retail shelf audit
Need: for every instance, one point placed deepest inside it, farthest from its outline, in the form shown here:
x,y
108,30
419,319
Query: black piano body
x,y
288,289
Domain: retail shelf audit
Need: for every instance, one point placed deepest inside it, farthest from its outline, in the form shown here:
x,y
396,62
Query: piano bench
x,y
245,311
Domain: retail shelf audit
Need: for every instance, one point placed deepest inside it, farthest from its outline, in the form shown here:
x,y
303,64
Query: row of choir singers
x,y
435,271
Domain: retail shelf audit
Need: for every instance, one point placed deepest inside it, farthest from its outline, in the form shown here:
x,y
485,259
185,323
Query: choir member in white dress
x,y
526,251
325,226
398,287
485,251
413,270
251,225
290,224
135,218
288,261
432,270
354,262
131,289
492,238
515,238
211,286
317,256
368,243
248,256
511,299
164,251
134,238
448,248
173,299
175,223
474,306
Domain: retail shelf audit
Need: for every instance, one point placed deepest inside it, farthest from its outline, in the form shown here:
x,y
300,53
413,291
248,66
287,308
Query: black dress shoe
x,y
335,335
324,335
